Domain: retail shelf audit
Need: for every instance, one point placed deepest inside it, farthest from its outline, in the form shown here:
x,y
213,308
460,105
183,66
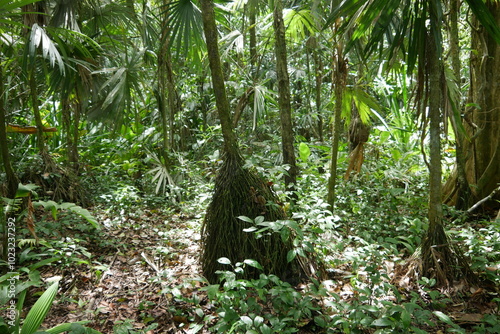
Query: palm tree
x,y
287,136
238,192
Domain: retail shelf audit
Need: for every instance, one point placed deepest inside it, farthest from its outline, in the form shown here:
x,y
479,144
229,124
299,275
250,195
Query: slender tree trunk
x,y
287,136
252,15
223,109
74,157
36,112
457,188
66,125
239,192
435,193
318,64
339,79
162,85
12,179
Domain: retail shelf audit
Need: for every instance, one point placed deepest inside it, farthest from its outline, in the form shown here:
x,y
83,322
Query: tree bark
x,y
163,86
287,136
252,15
221,101
339,79
435,213
12,179
457,184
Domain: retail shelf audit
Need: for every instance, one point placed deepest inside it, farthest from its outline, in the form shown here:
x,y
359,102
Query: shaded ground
x,y
137,267
142,268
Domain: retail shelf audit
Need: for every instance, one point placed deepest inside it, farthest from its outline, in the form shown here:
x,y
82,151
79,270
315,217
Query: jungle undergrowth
x,y
378,222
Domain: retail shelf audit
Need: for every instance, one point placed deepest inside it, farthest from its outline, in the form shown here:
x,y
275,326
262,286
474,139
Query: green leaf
x,y
291,255
304,152
39,310
259,220
224,260
71,327
406,318
382,322
212,291
246,320
23,190
245,219
253,263
444,318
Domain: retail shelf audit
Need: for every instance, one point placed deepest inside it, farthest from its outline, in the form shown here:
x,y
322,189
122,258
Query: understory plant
x,y
31,324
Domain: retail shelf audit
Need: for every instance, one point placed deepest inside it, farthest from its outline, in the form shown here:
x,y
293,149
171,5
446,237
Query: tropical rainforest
x,y
249,166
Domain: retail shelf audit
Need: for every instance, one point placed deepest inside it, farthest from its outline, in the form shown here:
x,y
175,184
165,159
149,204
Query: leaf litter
x,y
147,266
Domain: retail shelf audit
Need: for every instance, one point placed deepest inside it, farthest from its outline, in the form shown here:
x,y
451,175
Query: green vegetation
x,y
249,167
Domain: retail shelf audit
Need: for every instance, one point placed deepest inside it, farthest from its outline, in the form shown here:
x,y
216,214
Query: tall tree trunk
x,y
339,80
252,15
287,136
223,109
12,179
161,94
440,259
435,194
318,64
74,156
457,189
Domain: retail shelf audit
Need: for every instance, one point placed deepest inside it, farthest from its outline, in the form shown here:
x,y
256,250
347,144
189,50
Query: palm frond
x,y
262,96
64,15
233,41
40,39
183,24
299,23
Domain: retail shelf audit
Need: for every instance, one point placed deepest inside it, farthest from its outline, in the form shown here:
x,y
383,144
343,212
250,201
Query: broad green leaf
x,y
444,318
23,190
259,220
253,263
246,320
382,322
39,311
71,327
291,255
406,318
224,260
245,219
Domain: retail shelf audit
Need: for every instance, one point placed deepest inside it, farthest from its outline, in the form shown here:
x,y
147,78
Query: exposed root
x,y
440,259
240,192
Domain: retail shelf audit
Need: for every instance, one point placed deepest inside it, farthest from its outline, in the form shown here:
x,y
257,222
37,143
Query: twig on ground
x,y
475,206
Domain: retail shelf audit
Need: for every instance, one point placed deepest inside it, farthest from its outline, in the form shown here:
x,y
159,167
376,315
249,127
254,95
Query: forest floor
x,y
139,271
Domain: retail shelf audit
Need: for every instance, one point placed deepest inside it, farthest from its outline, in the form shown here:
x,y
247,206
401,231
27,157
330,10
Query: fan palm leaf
x,y
183,24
